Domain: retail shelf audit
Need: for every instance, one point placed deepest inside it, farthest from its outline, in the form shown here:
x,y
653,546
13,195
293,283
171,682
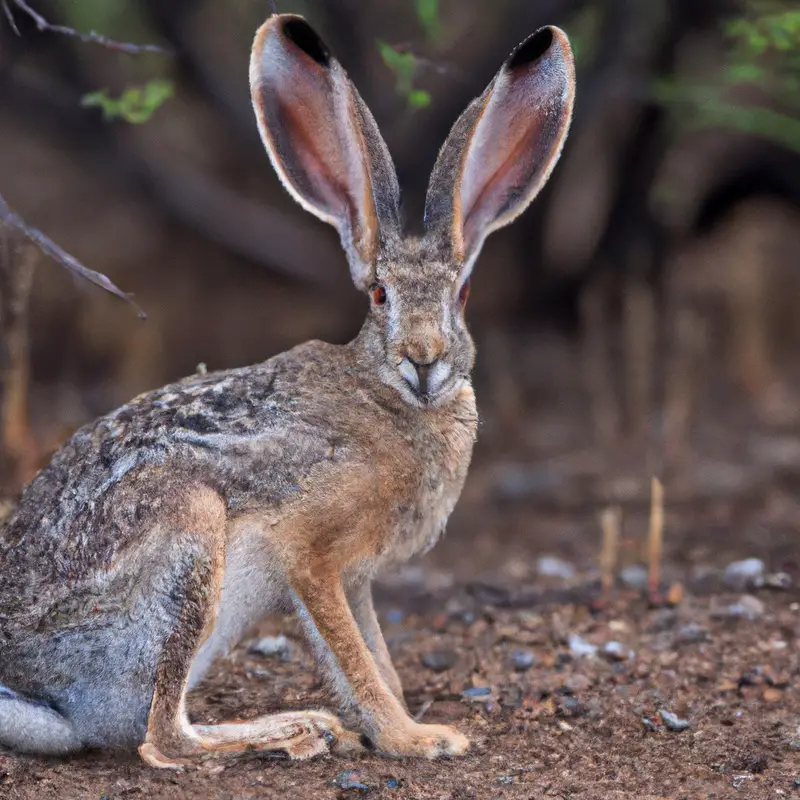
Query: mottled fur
x,y
158,534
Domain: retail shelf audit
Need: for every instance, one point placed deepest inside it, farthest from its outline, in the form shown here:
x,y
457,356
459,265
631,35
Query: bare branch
x,y
94,38
10,17
50,248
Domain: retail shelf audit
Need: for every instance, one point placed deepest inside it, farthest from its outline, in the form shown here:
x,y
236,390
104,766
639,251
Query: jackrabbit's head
x,y
327,150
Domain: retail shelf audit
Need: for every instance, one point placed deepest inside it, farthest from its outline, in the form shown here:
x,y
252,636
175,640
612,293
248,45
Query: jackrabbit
x,y
160,533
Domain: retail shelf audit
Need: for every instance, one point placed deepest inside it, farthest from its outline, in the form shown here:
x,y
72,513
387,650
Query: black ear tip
x,y
297,30
532,49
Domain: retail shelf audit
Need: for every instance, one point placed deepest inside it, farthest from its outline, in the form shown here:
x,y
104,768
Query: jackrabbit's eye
x,y
463,294
378,294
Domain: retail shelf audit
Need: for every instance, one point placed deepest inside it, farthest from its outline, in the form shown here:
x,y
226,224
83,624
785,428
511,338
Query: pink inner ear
x,y
514,144
318,163
499,187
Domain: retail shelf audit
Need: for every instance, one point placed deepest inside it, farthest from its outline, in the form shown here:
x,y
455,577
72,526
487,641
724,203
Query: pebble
x,y
634,576
570,705
477,691
553,567
778,580
577,683
691,633
616,651
272,646
580,647
740,575
748,607
522,660
673,721
675,595
439,660
350,779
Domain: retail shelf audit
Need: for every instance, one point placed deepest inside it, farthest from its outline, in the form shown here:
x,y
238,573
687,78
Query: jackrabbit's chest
x,y
441,455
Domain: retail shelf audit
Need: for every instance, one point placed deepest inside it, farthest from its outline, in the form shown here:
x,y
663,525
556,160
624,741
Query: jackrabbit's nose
x,y
423,370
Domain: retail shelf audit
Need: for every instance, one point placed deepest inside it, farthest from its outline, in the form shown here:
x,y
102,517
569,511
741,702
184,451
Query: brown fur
x,y
160,532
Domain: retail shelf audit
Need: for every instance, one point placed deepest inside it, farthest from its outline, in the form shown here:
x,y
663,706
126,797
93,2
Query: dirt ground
x,y
497,631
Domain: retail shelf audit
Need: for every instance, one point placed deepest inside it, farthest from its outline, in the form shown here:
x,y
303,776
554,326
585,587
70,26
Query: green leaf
x,y
403,65
428,15
744,73
419,98
135,105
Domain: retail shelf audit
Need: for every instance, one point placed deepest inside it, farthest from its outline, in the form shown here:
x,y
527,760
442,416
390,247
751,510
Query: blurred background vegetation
x,y
644,311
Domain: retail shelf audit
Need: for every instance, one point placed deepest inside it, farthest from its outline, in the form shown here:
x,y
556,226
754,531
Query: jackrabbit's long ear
x,y
322,139
503,148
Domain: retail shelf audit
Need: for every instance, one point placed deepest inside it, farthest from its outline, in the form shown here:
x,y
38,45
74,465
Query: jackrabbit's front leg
x,y
363,608
199,527
334,633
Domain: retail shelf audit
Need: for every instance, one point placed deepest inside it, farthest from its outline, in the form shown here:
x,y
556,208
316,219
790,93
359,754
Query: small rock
x,y
673,722
552,567
570,706
350,779
691,633
616,651
742,574
577,683
748,607
580,647
675,595
477,691
506,780
272,646
778,580
634,576
439,660
522,660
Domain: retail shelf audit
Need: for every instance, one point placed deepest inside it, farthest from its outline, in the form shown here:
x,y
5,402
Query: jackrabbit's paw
x,y
423,741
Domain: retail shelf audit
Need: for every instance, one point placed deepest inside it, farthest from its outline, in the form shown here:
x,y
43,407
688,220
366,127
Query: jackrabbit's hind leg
x,y
30,727
171,740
